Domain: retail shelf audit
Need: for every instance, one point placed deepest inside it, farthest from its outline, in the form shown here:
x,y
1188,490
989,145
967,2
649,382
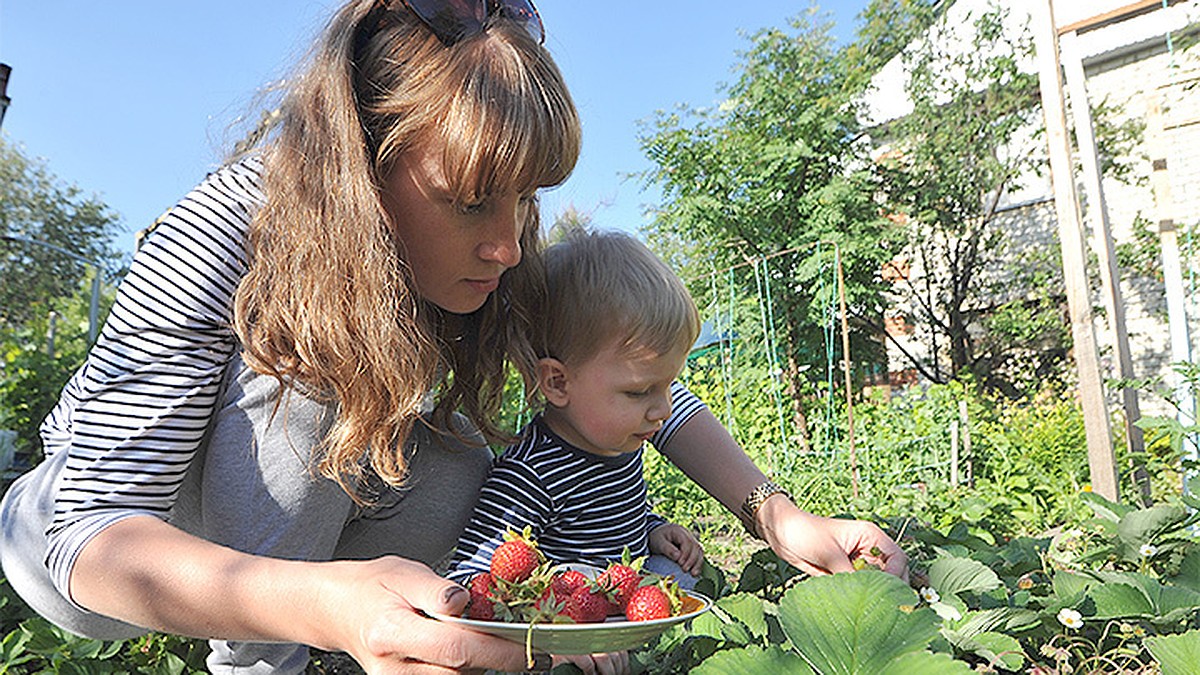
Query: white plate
x,y
613,635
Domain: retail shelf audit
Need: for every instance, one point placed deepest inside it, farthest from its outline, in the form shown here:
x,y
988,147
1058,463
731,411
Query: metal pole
x,y
94,307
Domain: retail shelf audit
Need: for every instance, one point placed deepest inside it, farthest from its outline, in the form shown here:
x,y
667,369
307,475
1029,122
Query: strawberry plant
x,y
1118,594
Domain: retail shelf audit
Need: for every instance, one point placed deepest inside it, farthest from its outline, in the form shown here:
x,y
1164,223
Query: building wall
x,y
1132,64
1138,79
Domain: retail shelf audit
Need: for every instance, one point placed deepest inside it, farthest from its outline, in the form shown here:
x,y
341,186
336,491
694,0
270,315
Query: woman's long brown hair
x,y
329,302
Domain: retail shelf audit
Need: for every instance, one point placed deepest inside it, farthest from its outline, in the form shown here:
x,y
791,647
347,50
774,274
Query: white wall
x,y
1128,64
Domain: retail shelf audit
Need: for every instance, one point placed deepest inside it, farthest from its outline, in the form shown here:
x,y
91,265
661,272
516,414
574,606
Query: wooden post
x,y
953,453
964,423
1172,268
841,279
1110,273
1101,459
51,332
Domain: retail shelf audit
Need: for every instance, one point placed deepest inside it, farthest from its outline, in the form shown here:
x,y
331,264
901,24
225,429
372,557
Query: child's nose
x,y
661,408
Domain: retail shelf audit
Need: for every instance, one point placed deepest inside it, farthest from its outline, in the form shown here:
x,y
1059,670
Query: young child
x,y
619,326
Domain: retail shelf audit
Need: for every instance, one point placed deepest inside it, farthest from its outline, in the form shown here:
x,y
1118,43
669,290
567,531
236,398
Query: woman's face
x,y
457,251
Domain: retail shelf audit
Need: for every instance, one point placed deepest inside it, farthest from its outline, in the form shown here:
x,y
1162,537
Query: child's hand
x,y
678,544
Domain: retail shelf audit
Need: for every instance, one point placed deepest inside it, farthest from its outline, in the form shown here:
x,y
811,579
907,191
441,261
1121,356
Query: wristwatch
x,y
754,502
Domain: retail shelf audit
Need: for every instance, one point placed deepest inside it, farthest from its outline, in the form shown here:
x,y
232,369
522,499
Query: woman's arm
x,y
705,451
150,573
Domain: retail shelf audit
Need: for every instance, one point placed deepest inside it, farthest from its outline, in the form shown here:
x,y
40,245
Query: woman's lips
x,y
484,285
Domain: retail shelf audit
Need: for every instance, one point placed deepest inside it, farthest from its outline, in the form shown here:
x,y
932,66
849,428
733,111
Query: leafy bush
x,y
31,377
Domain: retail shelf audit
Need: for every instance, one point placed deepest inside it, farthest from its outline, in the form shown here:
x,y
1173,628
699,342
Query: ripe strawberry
x,y
647,603
619,581
481,589
516,558
586,605
572,579
564,583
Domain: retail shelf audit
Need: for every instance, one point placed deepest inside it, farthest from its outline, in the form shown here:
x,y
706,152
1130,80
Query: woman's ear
x,y
552,379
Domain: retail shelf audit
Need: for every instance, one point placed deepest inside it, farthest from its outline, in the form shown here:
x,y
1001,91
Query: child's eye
x,y
637,394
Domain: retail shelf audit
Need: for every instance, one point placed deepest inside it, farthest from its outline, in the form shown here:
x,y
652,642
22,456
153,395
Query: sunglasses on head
x,y
455,20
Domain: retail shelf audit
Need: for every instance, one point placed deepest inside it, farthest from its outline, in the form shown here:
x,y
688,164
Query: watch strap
x,y
754,502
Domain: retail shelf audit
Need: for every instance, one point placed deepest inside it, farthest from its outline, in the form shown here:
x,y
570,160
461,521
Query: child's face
x,y
612,403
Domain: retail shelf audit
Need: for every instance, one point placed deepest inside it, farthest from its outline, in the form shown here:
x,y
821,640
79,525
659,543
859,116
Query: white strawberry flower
x,y
1070,618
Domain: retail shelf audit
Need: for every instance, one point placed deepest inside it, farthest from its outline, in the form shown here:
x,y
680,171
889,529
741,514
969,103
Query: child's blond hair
x,y
605,286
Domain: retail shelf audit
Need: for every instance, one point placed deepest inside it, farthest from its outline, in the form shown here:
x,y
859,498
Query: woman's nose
x,y
502,241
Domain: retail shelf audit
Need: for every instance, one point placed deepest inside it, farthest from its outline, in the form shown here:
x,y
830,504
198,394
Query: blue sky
x,y
133,100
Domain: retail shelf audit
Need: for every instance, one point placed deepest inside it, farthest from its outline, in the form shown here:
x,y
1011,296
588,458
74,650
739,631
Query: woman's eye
x,y
469,209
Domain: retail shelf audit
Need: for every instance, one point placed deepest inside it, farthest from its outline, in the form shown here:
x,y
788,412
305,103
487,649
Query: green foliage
x,y
774,175
31,378
1027,459
36,205
886,28
1115,592
967,142
38,353
33,645
1176,654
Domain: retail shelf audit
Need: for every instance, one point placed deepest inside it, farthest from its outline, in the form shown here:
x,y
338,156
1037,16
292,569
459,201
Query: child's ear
x,y
552,381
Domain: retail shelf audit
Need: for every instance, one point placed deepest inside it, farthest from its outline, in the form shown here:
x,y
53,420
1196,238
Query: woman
x,y
225,464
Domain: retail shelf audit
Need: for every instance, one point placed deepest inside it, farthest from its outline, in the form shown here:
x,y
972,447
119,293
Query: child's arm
x,y
678,544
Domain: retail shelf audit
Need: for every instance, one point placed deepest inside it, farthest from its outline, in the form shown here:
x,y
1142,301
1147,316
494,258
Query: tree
x,y
569,219
978,294
42,291
778,173
35,205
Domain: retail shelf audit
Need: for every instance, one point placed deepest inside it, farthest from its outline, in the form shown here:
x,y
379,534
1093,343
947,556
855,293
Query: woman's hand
x,y
678,544
383,608
818,545
403,639
149,573
706,452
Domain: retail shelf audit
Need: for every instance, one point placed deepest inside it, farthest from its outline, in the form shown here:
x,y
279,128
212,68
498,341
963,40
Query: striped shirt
x,y
579,506
133,417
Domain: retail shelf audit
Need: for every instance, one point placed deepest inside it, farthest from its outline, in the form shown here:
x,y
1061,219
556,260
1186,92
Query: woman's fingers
x,y
388,605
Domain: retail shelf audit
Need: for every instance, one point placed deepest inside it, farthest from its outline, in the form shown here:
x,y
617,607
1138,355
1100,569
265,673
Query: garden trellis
x,y
739,364
744,336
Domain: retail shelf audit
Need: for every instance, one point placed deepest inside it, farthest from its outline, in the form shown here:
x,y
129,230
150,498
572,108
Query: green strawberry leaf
x,y
753,661
955,576
856,623
1176,654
